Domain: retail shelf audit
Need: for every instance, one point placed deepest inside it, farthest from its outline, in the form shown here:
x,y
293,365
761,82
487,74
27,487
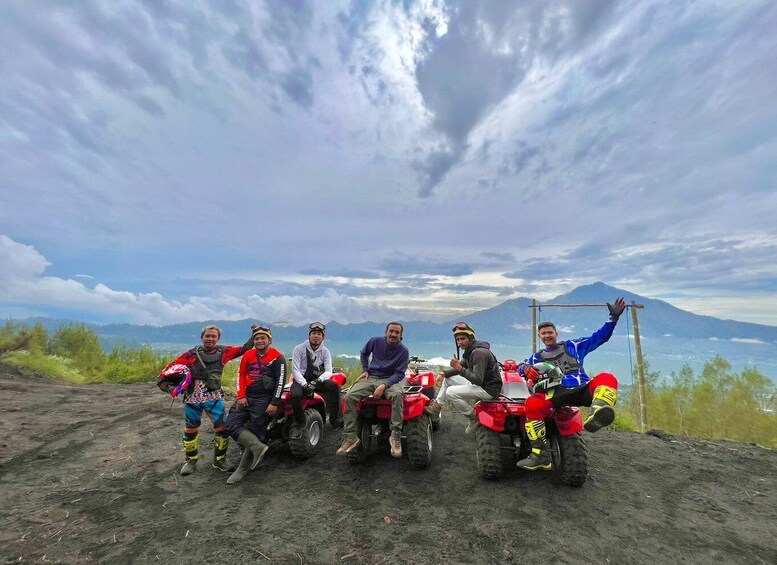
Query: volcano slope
x,y
90,474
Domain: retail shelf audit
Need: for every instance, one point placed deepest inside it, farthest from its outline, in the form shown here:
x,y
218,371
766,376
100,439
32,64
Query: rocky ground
x,y
90,474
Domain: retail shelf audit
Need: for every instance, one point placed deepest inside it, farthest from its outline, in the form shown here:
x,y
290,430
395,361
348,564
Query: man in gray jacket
x,y
476,377
311,368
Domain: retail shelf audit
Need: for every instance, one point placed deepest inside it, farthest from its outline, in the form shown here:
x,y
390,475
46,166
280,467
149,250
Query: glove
x,y
530,373
617,308
310,388
542,385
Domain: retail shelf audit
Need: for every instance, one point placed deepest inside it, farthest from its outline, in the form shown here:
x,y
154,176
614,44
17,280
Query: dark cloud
x,y
245,54
149,105
501,257
347,273
298,85
695,263
462,77
403,264
432,167
468,71
466,288
288,32
352,23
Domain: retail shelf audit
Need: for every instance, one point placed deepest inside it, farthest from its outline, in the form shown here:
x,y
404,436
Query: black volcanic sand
x,y
90,474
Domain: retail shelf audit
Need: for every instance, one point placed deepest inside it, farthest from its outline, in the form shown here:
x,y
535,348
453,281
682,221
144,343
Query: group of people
x,y
475,375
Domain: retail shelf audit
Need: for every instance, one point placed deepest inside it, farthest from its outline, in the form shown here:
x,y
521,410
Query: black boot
x,y
539,459
602,412
297,428
220,445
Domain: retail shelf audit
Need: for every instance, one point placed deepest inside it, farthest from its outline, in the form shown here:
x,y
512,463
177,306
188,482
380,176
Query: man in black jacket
x,y
479,368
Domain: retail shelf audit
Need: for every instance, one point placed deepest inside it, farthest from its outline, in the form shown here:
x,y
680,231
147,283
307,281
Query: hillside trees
x,y
719,403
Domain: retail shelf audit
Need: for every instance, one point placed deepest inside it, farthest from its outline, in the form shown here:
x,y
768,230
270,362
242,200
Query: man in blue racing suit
x,y
576,387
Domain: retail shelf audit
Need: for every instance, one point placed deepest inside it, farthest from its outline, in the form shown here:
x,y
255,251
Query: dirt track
x,y
90,474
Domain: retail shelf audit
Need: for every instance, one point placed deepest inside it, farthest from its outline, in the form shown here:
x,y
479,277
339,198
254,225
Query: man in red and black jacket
x,y
206,363
261,378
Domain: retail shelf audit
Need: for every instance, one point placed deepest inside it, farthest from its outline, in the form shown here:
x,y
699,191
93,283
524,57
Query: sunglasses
x,y
463,326
263,328
317,326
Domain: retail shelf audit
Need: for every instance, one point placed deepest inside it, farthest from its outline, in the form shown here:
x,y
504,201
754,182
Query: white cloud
x,y
749,340
165,148
24,283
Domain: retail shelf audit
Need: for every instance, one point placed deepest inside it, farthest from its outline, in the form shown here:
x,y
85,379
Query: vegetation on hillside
x,y
716,404
73,353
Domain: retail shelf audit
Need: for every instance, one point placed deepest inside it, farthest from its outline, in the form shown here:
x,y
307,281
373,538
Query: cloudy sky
x,y
179,160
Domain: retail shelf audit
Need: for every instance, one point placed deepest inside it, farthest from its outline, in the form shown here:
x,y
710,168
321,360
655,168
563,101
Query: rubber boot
x,y
539,459
220,445
242,468
252,444
602,412
192,454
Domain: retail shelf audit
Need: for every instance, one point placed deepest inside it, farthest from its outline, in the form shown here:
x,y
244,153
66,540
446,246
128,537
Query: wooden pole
x,y
533,326
642,401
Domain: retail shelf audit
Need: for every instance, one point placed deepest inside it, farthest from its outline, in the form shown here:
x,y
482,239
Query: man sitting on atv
x,y
311,368
384,360
261,377
476,377
576,388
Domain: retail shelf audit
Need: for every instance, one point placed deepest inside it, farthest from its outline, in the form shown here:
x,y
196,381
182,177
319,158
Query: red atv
x,y
420,374
281,426
372,427
501,436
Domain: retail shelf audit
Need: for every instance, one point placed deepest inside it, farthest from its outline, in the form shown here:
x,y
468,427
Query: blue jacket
x,y
578,349
387,362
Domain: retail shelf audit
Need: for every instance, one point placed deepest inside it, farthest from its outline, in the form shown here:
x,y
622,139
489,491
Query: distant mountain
x,y
509,322
656,319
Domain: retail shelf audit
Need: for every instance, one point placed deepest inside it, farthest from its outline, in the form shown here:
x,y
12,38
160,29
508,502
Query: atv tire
x,y
489,453
306,445
418,441
570,458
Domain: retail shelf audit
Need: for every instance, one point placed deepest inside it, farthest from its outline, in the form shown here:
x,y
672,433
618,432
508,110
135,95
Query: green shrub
x,y
45,365
81,346
624,421
123,365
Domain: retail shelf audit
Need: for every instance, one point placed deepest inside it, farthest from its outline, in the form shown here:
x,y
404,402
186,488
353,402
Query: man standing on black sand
x,y
384,360
205,394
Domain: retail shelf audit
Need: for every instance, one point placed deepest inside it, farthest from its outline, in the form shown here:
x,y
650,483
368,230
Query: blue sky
x,y
171,161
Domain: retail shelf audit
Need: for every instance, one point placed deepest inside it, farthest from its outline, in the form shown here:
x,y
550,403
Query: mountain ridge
x,y
508,321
